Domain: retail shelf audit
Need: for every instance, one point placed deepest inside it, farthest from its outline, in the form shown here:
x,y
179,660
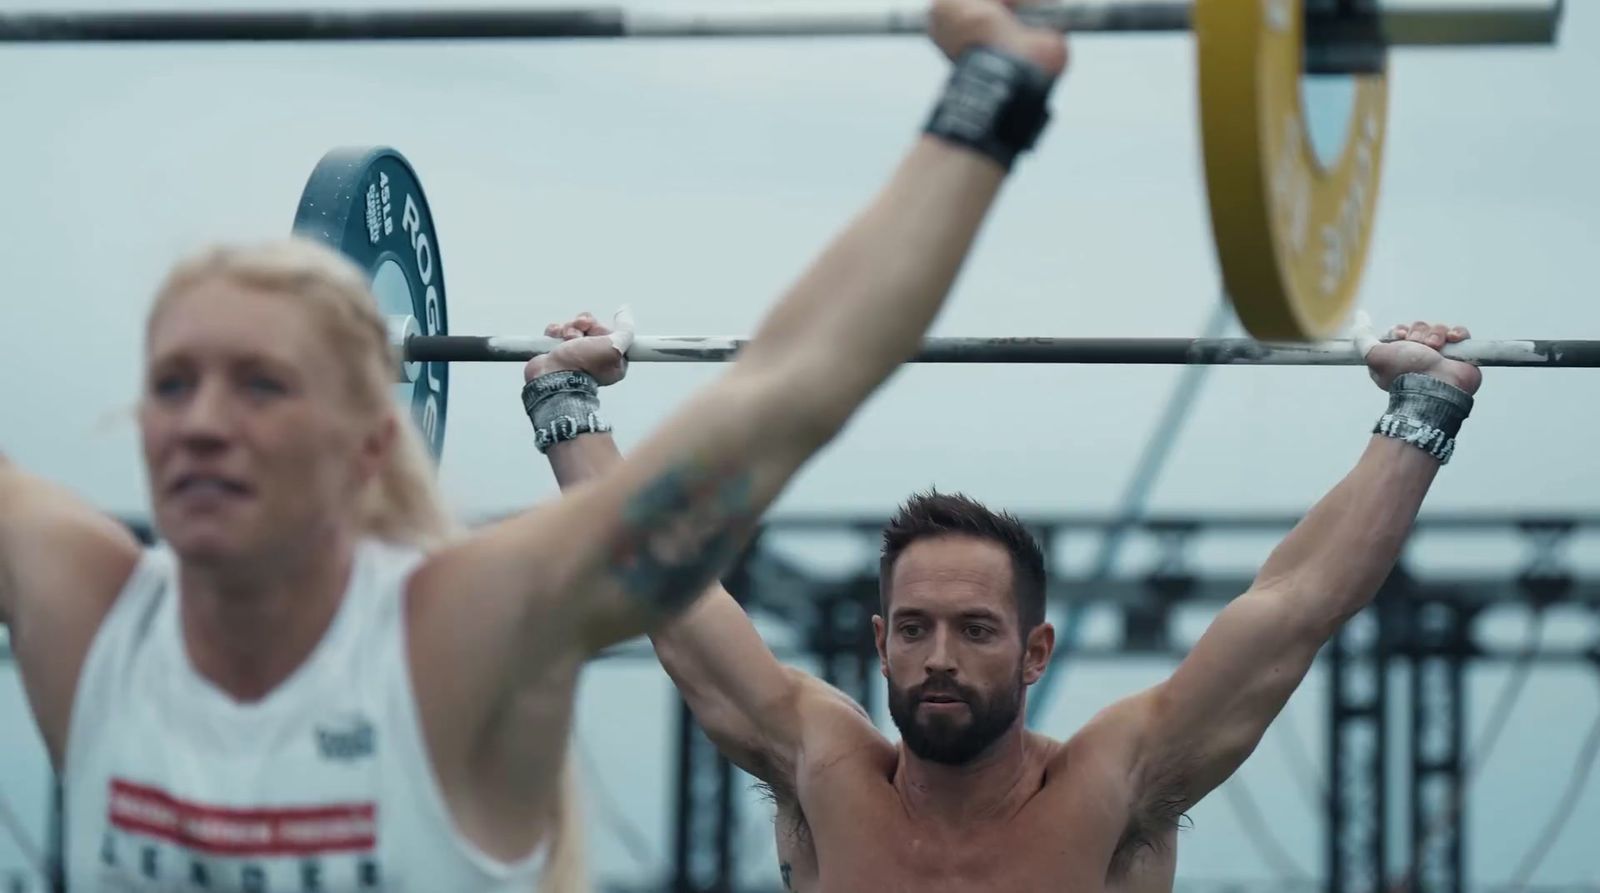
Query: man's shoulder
x,y
1052,752
841,743
1117,727
831,715
1104,748
821,694
837,737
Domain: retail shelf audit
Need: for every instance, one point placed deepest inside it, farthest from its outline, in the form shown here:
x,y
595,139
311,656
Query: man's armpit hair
x,y
679,532
791,821
1159,813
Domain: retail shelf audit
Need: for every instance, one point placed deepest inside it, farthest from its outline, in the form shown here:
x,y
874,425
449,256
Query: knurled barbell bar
x,y
368,204
1022,350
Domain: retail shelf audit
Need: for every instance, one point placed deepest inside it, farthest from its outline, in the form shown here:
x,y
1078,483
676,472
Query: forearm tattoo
x,y
682,530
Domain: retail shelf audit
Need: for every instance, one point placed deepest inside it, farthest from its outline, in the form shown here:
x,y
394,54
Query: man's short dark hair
x,y
932,514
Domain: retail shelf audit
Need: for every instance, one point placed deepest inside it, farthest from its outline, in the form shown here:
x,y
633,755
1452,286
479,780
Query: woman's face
x,y
251,439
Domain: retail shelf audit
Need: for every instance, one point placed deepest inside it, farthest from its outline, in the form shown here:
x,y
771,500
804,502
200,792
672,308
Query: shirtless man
x,y
969,799
317,682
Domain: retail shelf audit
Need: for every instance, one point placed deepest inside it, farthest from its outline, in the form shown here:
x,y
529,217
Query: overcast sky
x,y
695,181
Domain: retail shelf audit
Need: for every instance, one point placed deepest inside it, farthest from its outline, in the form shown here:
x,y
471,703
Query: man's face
x,y
951,648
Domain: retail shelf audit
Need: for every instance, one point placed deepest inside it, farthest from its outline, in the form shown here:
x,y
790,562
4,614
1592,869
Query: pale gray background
x,y
695,181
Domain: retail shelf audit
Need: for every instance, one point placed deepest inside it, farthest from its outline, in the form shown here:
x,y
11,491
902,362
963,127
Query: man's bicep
x,y
1207,718
771,726
738,690
763,741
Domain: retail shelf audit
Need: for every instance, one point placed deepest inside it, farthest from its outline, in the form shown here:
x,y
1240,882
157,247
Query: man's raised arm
x,y
751,706
1192,731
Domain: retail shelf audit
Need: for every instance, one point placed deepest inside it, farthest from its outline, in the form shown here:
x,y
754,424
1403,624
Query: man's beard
x,y
953,740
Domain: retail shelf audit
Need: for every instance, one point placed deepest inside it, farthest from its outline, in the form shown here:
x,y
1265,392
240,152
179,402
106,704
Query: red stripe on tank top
x,y
235,831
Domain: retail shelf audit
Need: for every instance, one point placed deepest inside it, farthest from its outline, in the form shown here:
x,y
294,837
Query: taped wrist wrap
x,y
1426,413
994,103
563,406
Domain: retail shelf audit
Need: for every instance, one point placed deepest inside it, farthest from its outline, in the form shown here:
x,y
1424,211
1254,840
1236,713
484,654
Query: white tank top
x,y
324,786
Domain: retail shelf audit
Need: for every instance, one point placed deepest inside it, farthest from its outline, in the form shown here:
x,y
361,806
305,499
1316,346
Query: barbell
x,y
368,204
1385,23
1292,221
